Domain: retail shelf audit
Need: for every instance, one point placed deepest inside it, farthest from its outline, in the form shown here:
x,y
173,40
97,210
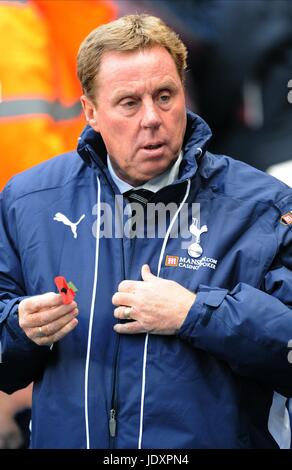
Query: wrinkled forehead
x,y
130,68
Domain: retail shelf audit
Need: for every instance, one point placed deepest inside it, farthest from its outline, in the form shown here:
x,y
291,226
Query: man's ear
x,y
90,112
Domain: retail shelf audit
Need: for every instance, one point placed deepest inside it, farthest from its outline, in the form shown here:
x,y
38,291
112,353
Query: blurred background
x,y
239,80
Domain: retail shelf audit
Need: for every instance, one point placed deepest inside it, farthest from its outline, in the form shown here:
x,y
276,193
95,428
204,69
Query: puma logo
x,y
73,225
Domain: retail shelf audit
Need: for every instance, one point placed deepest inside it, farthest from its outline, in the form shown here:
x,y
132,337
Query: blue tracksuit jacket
x,y
209,386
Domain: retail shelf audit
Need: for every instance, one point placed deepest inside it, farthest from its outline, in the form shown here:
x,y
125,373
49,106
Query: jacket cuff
x,y
207,299
9,319
11,307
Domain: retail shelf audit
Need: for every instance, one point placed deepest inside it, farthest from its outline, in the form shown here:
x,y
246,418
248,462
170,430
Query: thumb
x,y
146,273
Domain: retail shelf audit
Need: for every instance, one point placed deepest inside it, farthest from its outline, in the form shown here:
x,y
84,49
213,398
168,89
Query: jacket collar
x,y
92,150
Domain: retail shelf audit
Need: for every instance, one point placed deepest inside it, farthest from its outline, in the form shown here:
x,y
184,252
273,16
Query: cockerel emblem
x,y
195,250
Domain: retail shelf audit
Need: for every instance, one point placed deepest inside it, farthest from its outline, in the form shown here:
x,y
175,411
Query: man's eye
x,y
164,98
128,103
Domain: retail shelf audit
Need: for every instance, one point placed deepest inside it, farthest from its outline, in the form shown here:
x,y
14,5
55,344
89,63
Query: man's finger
x,y
52,328
128,286
121,313
48,340
123,298
147,274
48,316
131,328
41,302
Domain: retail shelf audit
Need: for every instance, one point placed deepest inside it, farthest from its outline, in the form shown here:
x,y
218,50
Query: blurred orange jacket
x,y
40,111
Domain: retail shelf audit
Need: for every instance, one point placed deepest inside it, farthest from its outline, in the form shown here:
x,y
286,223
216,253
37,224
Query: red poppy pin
x,y
66,289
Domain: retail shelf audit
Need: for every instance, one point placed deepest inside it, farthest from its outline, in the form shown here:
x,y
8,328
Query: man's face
x,y
140,112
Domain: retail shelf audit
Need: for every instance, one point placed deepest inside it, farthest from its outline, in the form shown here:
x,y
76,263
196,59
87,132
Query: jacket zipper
x,y
112,423
114,397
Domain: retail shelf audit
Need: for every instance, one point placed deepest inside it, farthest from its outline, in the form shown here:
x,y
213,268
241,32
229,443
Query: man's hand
x,y
45,319
156,305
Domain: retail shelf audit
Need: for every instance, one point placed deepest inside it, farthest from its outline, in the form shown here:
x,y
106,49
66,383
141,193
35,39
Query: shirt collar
x,y
155,184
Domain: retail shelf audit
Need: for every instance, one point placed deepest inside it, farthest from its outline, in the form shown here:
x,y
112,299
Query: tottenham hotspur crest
x,y
195,250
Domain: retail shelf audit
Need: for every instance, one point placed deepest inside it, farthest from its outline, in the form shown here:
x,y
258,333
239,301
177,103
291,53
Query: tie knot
x,y
141,196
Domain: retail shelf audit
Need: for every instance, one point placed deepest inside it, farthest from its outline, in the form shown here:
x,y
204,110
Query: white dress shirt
x,y
166,178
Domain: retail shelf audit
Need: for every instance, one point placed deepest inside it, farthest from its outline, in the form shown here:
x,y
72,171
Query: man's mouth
x,y
153,146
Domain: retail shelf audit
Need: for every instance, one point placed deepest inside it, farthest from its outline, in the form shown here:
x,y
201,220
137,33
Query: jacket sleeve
x,y
248,327
21,360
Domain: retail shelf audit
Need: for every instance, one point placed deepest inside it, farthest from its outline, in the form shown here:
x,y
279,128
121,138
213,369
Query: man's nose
x,y
150,118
